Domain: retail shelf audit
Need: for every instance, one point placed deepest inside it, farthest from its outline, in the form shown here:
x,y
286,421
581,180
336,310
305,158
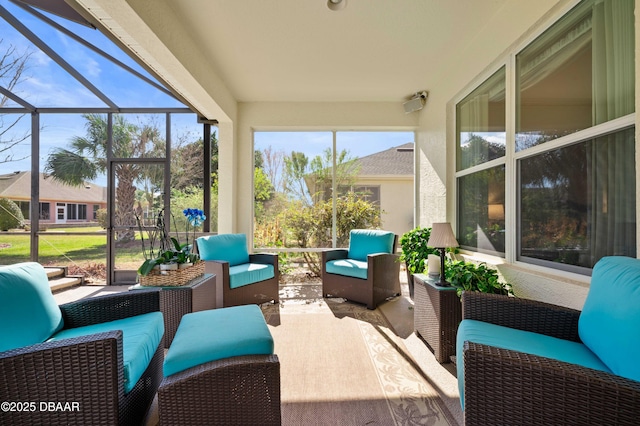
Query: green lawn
x,y
62,249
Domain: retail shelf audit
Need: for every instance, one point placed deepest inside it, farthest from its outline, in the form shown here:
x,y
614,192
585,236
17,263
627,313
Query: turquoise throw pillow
x,y
363,242
231,248
28,312
610,320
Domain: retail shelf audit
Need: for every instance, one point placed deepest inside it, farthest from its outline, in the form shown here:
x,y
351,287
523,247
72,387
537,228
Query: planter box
x,y
172,278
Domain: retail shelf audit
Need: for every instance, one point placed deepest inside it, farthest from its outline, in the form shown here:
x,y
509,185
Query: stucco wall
x,y
396,202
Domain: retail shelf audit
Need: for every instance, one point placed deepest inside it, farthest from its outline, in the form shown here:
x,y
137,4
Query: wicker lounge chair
x,y
84,376
368,272
245,278
509,387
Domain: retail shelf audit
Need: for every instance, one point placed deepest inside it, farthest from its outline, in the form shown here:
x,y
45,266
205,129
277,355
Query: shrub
x,y
10,215
101,218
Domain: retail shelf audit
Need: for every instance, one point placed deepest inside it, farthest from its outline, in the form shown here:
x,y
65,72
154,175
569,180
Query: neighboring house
x,y
59,203
386,179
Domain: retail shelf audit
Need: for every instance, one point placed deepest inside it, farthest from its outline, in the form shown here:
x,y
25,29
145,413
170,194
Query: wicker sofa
x,y
74,355
523,362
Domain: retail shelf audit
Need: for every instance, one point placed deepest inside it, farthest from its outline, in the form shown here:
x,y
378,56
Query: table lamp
x,y
441,238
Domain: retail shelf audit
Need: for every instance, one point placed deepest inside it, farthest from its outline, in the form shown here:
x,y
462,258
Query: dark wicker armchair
x,y
506,387
371,254
227,257
84,370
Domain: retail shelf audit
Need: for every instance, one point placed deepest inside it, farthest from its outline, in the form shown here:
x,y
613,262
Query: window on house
x,y
96,207
45,211
24,208
574,176
82,211
72,212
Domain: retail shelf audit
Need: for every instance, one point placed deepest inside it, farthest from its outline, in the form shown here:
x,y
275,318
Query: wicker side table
x,y
437,314
175,301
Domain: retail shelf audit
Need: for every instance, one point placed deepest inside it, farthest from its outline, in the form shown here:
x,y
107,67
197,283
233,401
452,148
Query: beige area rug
x,y
342,365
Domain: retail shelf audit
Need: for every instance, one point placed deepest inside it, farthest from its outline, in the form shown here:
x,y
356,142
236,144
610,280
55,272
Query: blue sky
x,y
46,84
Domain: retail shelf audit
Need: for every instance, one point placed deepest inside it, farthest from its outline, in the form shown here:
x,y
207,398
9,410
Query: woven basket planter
x,y
172,278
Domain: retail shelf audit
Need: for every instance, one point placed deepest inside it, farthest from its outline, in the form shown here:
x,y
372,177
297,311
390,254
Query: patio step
x,y
59,280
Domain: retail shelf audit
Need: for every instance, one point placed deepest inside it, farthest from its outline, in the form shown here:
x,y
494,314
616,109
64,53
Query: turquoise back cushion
x,y
363,242
228,247
609,324
28,312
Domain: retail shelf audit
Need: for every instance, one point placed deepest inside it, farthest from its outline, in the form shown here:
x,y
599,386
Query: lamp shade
x,y
442,236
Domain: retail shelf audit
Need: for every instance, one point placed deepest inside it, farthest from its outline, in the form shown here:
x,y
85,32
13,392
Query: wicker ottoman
x,y
221,370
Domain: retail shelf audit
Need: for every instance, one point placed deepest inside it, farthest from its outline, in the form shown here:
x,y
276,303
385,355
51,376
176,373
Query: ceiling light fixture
x,y
336,4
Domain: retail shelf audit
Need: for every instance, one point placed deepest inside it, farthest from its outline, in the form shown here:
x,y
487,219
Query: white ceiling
x,y
299,50
372,50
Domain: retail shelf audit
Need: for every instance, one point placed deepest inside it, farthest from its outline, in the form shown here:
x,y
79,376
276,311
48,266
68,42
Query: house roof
x,y
393,161
17,186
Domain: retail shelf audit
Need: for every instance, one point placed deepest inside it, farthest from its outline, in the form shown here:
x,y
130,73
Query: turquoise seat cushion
x,y
249,273
217,334
28,312
231,248
348,267
609,324
141,336
521,341
363,242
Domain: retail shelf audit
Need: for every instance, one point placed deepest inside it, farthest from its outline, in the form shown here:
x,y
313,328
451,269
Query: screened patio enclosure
x,y
81,116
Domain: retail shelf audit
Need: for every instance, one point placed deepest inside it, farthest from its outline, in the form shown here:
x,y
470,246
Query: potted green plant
x,y
415,252
470,276
171,253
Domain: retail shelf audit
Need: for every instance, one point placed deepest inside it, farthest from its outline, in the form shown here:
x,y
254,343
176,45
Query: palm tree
x,y
87,156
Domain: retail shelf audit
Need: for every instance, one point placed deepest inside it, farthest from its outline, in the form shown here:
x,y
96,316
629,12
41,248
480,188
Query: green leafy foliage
x,y
468,276
415,250
310,226
10,215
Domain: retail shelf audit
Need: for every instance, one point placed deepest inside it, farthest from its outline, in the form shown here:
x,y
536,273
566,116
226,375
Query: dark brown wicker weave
x,y
504,387
383,278
436,316
87,370
242,390
198,295
256,293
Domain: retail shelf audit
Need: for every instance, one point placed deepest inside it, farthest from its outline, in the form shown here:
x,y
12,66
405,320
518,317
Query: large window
x,y
295,176
573,146
481,142
578,201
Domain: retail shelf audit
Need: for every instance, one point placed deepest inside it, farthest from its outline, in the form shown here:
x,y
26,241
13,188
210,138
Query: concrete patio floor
x,y
398,312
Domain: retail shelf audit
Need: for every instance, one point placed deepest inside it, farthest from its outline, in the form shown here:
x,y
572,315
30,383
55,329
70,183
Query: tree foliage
x,y
311,226
86,157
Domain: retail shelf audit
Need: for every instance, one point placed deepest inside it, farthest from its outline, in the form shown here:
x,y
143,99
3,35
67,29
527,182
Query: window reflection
x,y
481,224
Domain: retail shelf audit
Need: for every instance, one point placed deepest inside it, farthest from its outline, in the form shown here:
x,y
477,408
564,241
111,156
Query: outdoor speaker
x,y
416,103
